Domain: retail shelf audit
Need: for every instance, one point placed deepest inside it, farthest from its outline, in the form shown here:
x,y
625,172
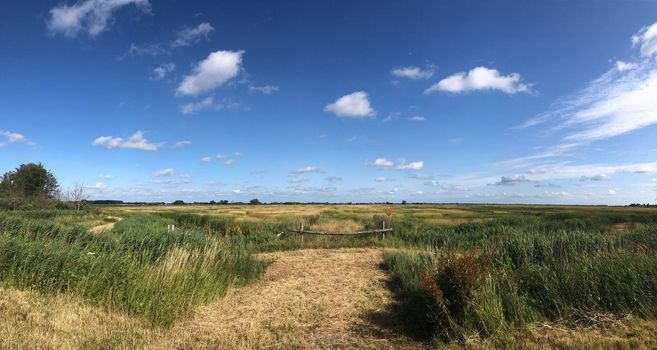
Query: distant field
x,y
234,276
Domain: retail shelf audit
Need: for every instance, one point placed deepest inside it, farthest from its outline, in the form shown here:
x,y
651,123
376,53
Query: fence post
x,y
383,234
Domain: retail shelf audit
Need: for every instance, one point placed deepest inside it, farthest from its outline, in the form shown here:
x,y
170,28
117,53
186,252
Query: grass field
x,y
475,276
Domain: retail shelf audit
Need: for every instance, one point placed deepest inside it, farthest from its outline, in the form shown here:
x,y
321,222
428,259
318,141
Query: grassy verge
x,y
514,278
138,267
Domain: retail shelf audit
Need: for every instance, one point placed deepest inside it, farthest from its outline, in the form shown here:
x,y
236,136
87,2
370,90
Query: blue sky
x,y
462,101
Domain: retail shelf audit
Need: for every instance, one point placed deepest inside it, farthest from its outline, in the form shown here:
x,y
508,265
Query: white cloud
x,y
412,72
267,89
417,118
181,144
410,166
226,160
162,70
401,165
164,172
195,107
206,159
153,49
306,170
646,39
100,186
381,179
355,104
91,16
382,162
612,192
623,66
192,35
12,137
106,177
594,172
618,102
480,78
214,71
136,141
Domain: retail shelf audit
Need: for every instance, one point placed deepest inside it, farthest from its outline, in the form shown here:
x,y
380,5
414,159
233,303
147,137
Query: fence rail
x,y
302,231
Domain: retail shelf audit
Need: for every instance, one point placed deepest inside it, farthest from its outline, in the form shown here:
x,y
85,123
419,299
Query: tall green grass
x,y
137,267
508,276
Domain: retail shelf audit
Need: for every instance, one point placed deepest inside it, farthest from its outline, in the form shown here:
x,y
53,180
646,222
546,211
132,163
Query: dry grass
x,y
29,320
629,333
337,226
97,229
307,299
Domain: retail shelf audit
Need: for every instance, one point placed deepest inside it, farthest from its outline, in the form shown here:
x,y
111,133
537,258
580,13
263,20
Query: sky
x,y
549,102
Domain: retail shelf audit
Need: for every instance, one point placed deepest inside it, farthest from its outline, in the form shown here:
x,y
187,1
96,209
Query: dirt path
x,y
307,299
105,227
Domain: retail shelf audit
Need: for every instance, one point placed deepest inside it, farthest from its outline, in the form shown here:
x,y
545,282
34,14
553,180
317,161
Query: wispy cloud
x,y
180,144
417,118
354,105
646,40
136,141
195,107
164,172
481,78
266,89
214,71
306,170
400,165
191,35
91,16
12,137
412,72
162,71
618,102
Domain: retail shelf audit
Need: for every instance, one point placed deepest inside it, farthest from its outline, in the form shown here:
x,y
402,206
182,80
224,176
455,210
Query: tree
x,y
403,202
29,181
254,201
178,202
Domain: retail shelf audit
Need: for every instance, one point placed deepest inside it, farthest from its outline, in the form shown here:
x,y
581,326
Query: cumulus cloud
x,y
381,179
12,137
192,35
414,73
163,70
356,104
481,78
266,89
401,165
180,144
106,177
214,71
136,141
206,159
226,160
417,118
306,170
91,16
164,172
195,107
646,40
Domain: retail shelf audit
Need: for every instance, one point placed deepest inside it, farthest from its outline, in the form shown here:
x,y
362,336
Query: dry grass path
x,y
105,227
307,299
